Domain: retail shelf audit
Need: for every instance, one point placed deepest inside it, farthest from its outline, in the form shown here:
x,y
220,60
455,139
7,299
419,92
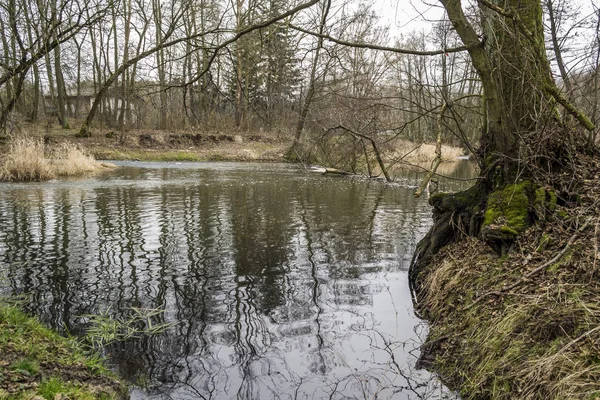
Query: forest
x,y
311,71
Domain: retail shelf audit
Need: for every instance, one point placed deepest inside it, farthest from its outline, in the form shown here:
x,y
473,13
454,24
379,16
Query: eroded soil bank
x,y
524,325
265,146
168,146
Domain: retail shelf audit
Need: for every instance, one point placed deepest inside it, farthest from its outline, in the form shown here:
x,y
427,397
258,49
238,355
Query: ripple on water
x,y
278,282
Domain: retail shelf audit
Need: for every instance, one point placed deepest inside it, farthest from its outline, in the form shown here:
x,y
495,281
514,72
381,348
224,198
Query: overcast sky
x,y
408,15
404,16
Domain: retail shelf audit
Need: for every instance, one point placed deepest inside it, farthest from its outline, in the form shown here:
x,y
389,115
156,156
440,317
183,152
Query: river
x,y
277,283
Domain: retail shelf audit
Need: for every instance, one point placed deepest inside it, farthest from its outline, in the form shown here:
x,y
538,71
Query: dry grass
x,y
26,161
29,159
422,153
68,160
538,340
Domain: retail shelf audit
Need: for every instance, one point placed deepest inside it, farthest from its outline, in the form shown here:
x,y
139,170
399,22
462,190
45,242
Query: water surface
x,y
280,284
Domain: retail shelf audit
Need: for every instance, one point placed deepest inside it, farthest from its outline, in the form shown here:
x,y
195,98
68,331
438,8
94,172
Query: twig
x,y
375,148
535,271
438,152
301,161
475,178
572,342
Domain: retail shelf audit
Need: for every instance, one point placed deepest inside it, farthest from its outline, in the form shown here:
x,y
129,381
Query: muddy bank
x,y
521,322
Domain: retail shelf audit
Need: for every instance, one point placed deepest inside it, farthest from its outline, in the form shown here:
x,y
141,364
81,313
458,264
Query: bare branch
x,y
381,48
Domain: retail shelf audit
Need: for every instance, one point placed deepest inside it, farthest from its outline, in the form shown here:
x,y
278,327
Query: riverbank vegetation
x,y
513,83
526,324
38,363
508,273
30,159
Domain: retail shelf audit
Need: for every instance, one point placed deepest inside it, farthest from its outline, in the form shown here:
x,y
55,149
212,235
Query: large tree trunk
x,y
514,71
522,132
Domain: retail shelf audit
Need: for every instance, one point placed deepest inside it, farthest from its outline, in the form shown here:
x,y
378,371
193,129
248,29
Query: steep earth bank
x,y
515,310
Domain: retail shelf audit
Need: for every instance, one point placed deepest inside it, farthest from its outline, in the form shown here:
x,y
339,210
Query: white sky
x,y
404,16
408,15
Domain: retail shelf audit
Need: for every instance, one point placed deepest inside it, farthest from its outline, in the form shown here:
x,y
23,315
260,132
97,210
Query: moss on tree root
x,y
455,215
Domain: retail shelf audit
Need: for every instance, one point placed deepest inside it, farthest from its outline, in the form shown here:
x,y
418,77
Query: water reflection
x,y
282,285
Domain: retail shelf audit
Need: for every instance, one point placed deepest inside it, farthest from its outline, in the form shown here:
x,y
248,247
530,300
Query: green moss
x,y
508,230
545,201
540,195
553,200
565,259
544,240
562,214
509,208
469,200
437,197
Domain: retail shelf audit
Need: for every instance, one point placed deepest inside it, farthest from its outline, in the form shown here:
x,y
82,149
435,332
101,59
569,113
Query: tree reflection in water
x,y
282,285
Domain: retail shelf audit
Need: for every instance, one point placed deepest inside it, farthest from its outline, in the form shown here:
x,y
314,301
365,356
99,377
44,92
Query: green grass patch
x,y
36,361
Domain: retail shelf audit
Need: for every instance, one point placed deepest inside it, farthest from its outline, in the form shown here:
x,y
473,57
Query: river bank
x,y
37,363
525,325
263,146
148,145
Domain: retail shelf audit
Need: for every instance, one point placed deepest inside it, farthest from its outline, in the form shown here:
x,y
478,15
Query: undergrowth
x,y
526,325
36,362
29,159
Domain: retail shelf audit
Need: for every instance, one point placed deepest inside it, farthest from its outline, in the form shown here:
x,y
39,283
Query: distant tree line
x,y
250,65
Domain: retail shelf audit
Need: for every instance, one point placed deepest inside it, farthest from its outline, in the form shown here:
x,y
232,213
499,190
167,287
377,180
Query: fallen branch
x,y
572,342
336,171
373,144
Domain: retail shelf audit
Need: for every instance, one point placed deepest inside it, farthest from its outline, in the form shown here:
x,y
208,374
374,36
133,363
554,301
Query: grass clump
x,y
35,361
26,161
29,159
68,160
105,328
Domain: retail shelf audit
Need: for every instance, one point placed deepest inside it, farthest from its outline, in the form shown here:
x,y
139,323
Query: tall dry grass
x,y
68,160
423,153
25,161
29,159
